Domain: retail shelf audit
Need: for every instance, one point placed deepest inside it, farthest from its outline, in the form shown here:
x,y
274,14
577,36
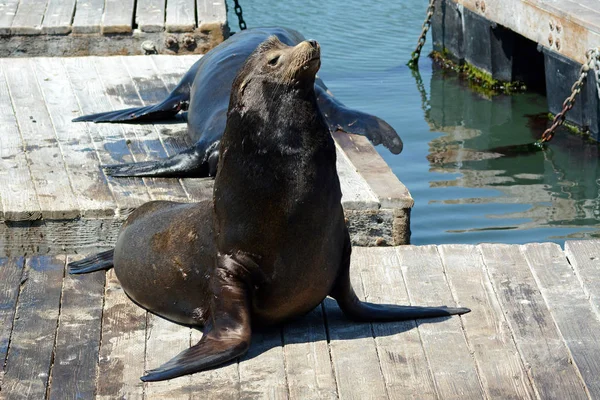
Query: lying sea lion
x,y
204,92
271,244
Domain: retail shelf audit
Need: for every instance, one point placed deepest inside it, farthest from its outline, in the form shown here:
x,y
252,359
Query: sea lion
x,y
204,92
271,244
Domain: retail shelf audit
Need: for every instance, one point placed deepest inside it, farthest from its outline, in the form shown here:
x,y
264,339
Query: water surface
x,y
468,187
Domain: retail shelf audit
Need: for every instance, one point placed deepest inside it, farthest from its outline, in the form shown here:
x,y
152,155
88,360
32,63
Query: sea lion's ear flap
x,y
243,86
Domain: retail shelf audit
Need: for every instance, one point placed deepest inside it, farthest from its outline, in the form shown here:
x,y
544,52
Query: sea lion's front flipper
x,y
362,311
340,117
190,163
227,333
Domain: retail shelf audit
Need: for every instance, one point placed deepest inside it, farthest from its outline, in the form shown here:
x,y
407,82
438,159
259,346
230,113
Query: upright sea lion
x,y
271,245
205,89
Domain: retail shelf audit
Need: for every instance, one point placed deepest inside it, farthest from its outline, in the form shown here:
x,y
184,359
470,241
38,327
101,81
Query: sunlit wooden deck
x,y
533,332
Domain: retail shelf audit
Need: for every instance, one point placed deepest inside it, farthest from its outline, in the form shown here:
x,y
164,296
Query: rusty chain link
x,y
414,57
238,11
593,63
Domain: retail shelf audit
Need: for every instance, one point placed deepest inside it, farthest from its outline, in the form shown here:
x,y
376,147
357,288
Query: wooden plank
x,y
210,11
142,140
58,17
19,199
28,18
538,341
118,16
87,178
356,193
60,235
262,369
152,89
150,15
164,340
108,139
218,383
123,344
454,371
73,374
570,308
88,16
180,16
353,351
8,9
34,331
308,366
11,270
401,354
500,368
584,256
44,155
390,192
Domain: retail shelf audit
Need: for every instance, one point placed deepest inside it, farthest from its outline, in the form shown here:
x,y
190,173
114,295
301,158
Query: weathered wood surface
x,y
532,333
51,167
111,26
31,348
538,339
448,353
486,329
88,18
585,260
74,371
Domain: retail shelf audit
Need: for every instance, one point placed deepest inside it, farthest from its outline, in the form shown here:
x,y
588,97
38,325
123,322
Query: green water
x,y
467,185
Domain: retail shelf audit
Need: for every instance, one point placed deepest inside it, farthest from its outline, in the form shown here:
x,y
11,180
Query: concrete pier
x,y
525,40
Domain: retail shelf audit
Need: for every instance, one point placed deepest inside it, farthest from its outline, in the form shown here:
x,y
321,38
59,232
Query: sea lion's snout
x,y
307,55
312,48
314,44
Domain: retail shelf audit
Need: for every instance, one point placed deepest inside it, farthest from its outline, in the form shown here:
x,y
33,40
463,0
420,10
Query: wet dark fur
x,y
272,244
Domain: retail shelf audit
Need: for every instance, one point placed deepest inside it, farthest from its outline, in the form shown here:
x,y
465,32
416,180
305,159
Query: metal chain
x,y
238,12
414,57
593,63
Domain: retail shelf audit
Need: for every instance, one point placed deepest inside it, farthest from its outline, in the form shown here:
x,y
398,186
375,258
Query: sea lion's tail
x,y
95,262
165,110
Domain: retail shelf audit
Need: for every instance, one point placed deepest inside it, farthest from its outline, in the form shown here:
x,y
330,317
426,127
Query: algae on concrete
x,y
480,80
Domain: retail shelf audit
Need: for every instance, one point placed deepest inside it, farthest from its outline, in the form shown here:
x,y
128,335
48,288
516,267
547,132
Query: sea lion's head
x,y
276,68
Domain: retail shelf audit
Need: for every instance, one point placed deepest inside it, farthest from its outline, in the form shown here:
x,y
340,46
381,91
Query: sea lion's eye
x,y
273,61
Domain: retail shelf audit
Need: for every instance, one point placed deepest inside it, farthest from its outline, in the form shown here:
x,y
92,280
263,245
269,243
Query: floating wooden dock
x,y
525,40
54,194
107,27
533,332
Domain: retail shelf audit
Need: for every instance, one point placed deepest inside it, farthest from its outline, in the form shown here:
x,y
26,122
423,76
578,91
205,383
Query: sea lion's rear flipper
x,y
190,163
362,311
340,117
228,330
178,100
156,112
95,262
